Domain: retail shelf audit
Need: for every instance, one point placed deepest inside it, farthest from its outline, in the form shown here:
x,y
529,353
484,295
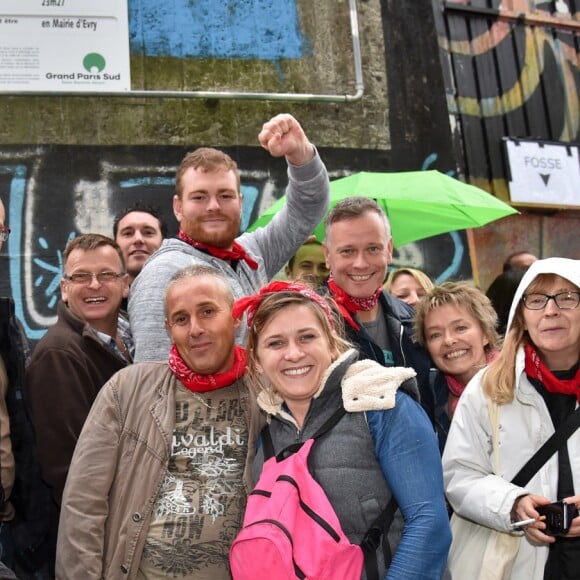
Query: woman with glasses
x,y
534,385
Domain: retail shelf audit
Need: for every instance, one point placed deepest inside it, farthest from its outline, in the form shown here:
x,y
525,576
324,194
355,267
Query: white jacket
x,y
472,489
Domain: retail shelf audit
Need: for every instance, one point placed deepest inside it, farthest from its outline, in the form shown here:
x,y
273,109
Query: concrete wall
x,y
310,53
68,164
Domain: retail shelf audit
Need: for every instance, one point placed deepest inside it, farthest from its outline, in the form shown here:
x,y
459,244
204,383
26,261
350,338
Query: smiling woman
x,y
294,353
457,324
408,285
382,448
535,383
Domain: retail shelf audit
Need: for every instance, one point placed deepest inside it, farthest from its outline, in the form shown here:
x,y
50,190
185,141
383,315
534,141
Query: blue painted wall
x,y
243,29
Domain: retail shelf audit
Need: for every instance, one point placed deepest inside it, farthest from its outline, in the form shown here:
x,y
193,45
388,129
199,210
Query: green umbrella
x,y
420,204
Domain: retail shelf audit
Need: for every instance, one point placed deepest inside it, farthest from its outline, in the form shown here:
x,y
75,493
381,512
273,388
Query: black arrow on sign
x,y
545,178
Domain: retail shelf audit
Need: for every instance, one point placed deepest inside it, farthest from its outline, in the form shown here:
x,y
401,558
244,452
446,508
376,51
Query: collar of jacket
x,y
365,386
66,316
524,391
272,403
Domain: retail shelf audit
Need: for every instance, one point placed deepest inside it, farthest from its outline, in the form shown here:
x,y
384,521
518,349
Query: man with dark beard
x,y
208,206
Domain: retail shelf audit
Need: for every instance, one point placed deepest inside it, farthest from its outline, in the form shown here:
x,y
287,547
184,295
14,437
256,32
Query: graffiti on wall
x,y
53,193
511,77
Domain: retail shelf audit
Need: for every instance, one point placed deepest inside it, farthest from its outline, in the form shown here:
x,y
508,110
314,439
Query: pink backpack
x,y
290,529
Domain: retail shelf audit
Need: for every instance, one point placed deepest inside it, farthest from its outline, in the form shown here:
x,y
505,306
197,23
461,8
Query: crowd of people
x,y
179,369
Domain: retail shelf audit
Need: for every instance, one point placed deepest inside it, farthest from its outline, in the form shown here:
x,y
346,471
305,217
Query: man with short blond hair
x,y
158,481
359,248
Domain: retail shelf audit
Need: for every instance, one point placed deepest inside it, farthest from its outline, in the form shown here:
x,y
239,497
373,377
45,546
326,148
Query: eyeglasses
x,y
87,277
4,233
563,300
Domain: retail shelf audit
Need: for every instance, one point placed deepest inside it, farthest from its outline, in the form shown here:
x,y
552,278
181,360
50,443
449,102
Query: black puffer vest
x,y
343,462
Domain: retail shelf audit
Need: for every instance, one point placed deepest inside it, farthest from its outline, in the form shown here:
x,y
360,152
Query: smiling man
x,y
208,206
158,481
139,231
88,344
359,248
308,264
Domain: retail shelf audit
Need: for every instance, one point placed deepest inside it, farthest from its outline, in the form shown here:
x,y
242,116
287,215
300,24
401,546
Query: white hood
x,y
563,267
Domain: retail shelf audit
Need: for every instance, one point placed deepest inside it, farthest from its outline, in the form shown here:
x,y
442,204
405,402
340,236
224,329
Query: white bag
x,y
478,552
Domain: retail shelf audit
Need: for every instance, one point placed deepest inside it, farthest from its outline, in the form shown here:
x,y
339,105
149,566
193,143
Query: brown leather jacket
x,y
67,369
117,471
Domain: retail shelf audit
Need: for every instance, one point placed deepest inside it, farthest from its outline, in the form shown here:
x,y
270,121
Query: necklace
x,y
123,350
201,400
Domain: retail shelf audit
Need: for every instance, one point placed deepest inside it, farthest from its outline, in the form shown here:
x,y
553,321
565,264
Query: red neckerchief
x,y
348,305
250,304
204,383
536,369
456,388
236,253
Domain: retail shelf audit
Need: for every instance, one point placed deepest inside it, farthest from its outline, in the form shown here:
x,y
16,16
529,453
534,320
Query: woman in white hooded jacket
x,y
536,383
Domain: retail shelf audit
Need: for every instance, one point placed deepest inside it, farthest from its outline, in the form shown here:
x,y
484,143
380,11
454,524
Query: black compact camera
x,y
559,516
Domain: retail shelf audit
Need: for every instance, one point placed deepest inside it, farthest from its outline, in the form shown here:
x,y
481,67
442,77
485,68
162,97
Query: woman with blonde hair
x,y
456,323
408,285
384,445
534,386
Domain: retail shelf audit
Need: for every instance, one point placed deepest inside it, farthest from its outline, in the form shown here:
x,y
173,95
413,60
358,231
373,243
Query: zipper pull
x,y
298,436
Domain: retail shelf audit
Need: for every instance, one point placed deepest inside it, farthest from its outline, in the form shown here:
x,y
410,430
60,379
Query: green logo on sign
x,y
94,62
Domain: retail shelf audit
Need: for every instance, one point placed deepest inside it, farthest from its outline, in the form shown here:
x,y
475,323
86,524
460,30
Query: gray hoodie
x,y
271,246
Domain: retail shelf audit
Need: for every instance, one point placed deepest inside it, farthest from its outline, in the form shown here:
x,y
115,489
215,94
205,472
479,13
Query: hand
x,y
524,509
283,135
574,531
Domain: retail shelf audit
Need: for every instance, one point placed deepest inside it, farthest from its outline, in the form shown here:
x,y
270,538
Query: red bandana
x,y
251,303
203,383
536,369
236,253
348,305
456,388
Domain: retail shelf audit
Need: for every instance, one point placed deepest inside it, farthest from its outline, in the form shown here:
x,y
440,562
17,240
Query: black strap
x,y
330,423
268,445
372,540
555,442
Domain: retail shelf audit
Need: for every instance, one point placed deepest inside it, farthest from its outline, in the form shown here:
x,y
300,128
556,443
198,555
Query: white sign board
x,y
64,45
546,174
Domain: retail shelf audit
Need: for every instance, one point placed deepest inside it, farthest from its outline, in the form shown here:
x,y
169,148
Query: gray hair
x,y
198,271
